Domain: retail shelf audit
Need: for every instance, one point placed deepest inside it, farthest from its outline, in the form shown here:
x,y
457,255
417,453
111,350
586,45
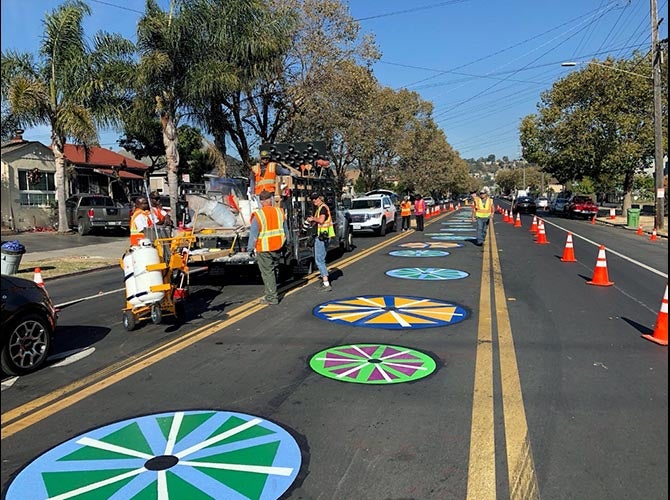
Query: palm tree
x,y
70,88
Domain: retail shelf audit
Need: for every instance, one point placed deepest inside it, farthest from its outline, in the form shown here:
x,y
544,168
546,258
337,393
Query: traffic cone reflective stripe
x,y
37,278
654,236
568,251
517,222
600,276
660,335
533,226
541,235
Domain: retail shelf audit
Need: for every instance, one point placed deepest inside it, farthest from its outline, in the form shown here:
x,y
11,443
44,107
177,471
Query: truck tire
x,y
83,227
349,241
382,229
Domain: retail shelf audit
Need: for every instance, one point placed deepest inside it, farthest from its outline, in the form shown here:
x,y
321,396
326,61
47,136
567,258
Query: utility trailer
x,y
221,223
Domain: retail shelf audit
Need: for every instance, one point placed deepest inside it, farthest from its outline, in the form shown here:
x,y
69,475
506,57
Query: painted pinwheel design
x,y
372,364
391,312
451,237
418,253
191,454
431,244
427,273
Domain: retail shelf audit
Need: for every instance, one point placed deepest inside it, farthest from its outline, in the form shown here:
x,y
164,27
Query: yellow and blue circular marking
x,y
392,312
427,273
418,253
375,364
184,454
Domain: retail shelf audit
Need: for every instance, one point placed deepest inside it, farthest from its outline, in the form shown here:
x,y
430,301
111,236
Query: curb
x,y
626,228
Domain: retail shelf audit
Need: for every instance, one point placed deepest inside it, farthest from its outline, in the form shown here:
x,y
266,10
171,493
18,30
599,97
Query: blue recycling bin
x,y
11,252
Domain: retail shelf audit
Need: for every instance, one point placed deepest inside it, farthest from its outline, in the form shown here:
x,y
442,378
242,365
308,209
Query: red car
x,y
581,206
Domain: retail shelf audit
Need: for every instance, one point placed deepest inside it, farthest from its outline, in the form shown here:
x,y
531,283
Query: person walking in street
x,y
419,211
482,212
405,212
267,235
325,231
139,220
264,174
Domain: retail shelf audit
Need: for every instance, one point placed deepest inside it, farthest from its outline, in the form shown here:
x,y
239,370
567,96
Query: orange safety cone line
x,y
541,235
533,226
600,276
653,236
660,335
639,230
517,222
569,250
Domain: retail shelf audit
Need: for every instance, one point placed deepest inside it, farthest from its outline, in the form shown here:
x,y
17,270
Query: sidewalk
x,y
646,222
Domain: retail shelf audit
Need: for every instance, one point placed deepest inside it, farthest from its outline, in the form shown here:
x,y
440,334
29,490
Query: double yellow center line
x,y
521,474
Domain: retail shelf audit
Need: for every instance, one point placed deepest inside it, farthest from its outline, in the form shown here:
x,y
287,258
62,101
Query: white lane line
x,y
101,294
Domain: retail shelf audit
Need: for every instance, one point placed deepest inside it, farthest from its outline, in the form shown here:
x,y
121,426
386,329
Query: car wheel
x,y
27,345
382,228
84,227
349,244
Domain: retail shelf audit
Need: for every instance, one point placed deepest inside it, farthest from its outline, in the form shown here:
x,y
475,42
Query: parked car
x,y
542,202
28,325
430,202
524,204
581,206
395,198
557,206
375,212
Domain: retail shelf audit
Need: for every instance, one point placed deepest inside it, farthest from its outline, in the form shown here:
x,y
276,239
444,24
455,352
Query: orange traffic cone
x,y
541,235
600,276
654,236
510,218
568,251
639,230
593,219
37,278
517,222
612,213
533,226
660,335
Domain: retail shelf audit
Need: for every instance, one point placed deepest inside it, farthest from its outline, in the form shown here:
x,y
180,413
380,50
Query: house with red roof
x,y
28,194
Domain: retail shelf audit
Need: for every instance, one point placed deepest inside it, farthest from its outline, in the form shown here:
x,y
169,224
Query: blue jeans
x,y
320,256
482,226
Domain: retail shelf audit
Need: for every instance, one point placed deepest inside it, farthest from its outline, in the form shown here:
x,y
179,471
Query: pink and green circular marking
x,y
375,364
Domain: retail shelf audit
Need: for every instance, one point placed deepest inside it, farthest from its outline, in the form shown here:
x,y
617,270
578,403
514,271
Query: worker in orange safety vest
x,y
405,213
139,220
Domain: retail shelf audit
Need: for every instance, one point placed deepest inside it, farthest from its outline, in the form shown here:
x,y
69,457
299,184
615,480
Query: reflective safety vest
x,y
328,221
405,208
138,234
271,236
483,208
267,181
419,207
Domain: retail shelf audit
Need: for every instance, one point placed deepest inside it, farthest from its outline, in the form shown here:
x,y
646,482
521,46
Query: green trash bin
x,y
633,218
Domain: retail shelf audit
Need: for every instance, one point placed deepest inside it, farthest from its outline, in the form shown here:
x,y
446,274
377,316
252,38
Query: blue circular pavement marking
x,y
391,312
430,244
418,253
459,229
427,273
183,454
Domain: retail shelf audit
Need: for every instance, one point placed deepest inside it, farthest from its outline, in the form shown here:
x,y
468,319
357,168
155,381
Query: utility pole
x,y
658,124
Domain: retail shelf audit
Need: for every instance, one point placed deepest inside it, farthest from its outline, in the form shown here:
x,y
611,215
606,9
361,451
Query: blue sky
x,y
482,63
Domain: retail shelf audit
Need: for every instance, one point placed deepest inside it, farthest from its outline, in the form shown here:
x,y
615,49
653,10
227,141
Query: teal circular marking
x,y
183,454
418,253
391,312
459,229
427,273
430,244
452,237
376,364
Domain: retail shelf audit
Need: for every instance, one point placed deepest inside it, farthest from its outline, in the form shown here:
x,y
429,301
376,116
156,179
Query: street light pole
x,y
658,125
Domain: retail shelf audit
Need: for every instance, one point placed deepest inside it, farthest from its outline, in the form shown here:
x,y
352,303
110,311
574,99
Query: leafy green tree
x,y
71,88
596,123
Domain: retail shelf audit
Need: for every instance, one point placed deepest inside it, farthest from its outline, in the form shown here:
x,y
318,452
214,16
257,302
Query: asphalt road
x,y
516,379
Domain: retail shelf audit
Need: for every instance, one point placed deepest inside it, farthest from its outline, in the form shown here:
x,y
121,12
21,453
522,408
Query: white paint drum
x,y
138,279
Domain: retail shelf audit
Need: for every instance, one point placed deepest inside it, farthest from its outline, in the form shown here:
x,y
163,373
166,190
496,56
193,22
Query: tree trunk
x,y
57,146
172,160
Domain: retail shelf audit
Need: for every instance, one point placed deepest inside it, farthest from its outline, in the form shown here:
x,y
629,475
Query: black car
x,y
524,205
28,325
